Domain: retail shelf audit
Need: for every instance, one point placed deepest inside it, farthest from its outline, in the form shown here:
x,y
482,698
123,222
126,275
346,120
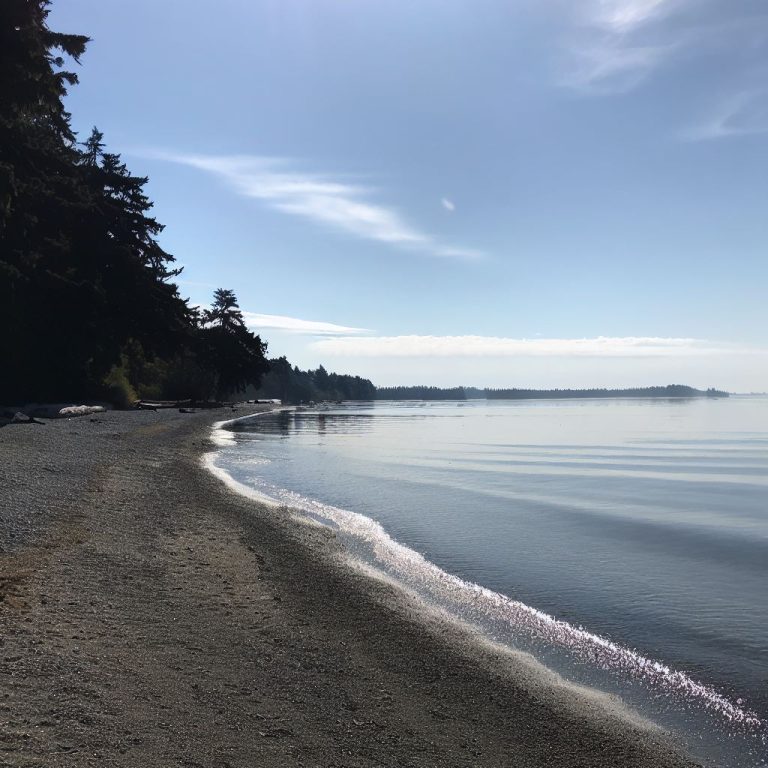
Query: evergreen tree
x,y
86,291
292,385
228,349
128,264
40,191
81,271
224,311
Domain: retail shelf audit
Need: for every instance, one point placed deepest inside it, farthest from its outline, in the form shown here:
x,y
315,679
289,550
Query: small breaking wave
x,y
414,569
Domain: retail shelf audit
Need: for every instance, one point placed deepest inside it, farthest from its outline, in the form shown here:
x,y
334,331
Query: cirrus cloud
x,y
257,322
616,44
623,16
743,114
319,198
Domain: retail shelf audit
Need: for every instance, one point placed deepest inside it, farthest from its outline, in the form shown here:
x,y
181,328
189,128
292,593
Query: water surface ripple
x,y
637,529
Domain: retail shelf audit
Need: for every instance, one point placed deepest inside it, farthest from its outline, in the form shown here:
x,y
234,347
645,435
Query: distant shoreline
x,y
671,391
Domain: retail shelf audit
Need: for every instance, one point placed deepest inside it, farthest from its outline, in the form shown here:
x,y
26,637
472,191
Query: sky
x,y
519,193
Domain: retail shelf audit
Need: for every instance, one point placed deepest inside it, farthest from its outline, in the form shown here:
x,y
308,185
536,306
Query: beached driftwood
x,y
33,412
58,410
183,406
156,405
80,410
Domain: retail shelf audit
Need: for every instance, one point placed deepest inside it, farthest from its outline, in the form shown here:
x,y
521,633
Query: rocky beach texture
x,y
149,616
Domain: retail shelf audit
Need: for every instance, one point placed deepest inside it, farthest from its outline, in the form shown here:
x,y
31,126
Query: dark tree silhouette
x,y
40,193
81,272
225,310
88,306
470,393
130,267
291,385
228,349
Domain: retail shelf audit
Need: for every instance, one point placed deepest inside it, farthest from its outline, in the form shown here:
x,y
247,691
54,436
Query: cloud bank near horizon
x,y
493,346
319,198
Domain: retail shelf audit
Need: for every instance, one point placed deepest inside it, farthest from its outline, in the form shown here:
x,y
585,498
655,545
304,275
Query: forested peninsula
x,y
473,393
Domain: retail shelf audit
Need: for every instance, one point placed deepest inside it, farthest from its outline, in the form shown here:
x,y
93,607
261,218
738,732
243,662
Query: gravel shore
x,y
149,616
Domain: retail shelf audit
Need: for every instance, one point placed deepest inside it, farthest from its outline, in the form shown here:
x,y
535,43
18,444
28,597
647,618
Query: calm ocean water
x,y
623,542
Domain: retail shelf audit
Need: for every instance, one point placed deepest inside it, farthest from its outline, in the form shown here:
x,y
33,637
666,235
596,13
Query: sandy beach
x,y
150,616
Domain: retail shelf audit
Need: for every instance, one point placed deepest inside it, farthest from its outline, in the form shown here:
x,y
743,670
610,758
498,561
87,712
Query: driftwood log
x,y
185,406
156,405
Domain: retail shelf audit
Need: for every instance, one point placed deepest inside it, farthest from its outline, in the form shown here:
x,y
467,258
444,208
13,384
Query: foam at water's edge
x,y
518,616
222,438
209,462
533,672
405,568
604,703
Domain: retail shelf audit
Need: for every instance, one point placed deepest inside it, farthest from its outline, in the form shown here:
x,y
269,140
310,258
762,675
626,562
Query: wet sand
x,y
150,616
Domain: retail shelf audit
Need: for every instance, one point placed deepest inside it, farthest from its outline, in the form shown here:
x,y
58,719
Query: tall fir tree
x,y
40,191
81,271
85,286
228,348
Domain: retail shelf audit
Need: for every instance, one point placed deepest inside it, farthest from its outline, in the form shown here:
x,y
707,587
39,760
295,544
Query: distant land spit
x,y
473,393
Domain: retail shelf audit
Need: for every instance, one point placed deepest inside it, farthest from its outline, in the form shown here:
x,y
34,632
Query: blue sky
x,y
485,192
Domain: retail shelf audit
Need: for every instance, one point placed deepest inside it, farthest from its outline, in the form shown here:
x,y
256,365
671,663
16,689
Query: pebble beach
x,y
151,616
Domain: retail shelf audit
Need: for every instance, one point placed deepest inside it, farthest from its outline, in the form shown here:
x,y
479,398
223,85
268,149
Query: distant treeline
x,y
429,393
291,385
473,393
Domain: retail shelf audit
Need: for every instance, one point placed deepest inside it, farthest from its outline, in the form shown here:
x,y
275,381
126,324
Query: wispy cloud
x,y
744,114
449,205
494,346
612,46
320,198
623,16
611,66
618,43
258,322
